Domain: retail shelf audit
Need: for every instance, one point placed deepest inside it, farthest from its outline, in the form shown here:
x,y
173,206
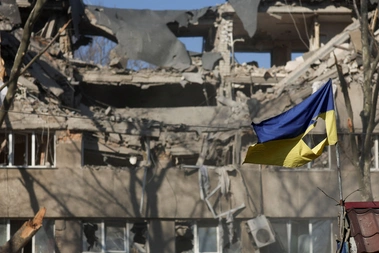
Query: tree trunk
x,y
366,114
24,234
365,184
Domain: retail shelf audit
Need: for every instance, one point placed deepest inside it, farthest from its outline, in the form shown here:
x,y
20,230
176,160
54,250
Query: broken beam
x,y
101,77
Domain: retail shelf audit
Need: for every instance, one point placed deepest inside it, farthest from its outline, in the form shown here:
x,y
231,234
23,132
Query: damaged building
x,y
150,160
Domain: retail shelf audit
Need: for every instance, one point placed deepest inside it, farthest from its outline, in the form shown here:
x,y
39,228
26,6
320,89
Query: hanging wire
x,y
305,21
294,22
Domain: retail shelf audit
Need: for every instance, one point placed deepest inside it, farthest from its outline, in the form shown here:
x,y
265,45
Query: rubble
x,y
190,114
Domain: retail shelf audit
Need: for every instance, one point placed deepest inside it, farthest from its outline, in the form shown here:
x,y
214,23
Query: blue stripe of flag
x,y
295,121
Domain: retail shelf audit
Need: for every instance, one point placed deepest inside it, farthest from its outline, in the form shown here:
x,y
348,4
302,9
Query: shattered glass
x,y
138,237
92,237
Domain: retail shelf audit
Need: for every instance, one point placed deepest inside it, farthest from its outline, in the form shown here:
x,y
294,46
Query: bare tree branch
x,y
329,196
24,234
39,54
366,114
15,72
356,10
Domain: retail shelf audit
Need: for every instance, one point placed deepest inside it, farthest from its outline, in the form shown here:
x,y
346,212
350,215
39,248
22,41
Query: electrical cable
x,y
305,21
297,29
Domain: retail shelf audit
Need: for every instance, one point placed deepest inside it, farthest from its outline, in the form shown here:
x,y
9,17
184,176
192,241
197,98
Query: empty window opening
x,y
168,95
24,149
259,59
193,44
99,152
43,149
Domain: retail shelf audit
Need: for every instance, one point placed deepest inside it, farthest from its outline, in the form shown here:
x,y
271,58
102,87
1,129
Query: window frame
x,y
376,153
32,134
34,240
8,223
288,224
196,246
127,226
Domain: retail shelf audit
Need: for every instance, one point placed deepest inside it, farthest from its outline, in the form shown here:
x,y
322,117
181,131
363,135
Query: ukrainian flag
x,y
280,139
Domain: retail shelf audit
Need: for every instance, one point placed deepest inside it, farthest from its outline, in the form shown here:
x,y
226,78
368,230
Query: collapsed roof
x,y
145,35
151,36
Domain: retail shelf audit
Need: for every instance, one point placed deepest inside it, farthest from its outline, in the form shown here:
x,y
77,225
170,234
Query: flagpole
x,y
339,176
342,218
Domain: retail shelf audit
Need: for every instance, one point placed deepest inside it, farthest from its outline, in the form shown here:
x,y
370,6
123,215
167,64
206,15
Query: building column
x,y
224,38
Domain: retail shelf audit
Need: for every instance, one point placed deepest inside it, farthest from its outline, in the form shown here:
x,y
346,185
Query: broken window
x,y
42,242
184,237
302,236
27,149
104,150
92,237
138,237
197,237
43,146
115,236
